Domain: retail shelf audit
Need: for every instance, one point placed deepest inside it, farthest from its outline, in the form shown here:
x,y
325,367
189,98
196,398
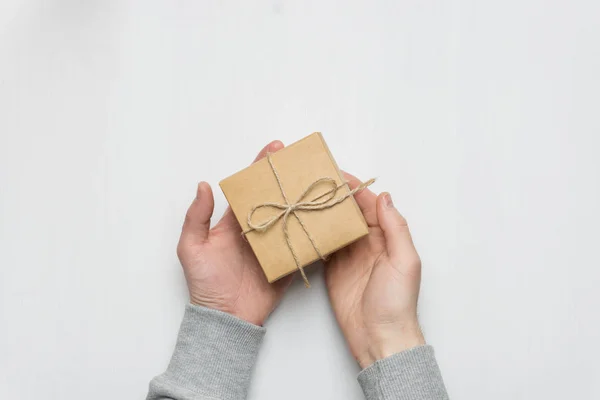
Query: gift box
x,y
294,207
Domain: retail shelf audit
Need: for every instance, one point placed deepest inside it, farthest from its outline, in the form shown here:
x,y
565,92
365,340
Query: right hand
x,y
374,283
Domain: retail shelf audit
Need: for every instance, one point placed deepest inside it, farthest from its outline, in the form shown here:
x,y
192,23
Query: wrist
x,y
390,340
253,316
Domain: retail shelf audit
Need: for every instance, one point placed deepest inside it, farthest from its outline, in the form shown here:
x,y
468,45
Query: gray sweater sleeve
x,y
213,358
215,354
410,375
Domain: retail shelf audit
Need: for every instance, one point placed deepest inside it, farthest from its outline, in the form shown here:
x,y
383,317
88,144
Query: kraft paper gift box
x,y
310,179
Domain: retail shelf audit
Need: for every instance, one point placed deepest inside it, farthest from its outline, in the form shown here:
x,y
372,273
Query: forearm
x,y
213,358
409,375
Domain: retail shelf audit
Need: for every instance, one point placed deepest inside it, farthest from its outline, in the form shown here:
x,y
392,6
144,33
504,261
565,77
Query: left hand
x,y
220,268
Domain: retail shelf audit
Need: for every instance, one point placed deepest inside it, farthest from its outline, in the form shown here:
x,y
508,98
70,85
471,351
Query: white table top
x,y
481,118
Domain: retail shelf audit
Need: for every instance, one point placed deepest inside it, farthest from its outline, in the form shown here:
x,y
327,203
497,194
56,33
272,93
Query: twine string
x,y
284,210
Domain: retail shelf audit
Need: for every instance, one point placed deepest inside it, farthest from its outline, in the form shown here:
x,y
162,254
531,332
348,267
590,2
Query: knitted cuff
x,y
409,375
215,353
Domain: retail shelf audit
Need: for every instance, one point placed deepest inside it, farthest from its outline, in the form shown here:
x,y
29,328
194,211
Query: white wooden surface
x,y
481,118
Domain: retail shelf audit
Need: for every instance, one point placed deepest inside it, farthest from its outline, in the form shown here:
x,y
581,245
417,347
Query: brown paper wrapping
x,y
298,166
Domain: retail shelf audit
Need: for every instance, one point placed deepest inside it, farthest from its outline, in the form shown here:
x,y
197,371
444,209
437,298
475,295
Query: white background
x,y
481,118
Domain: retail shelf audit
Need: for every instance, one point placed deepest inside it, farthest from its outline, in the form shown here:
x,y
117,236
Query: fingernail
x,y
276,145
199,189
388,200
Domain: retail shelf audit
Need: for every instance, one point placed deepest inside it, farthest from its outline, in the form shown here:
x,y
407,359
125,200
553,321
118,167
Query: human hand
x,y
374,283
220,268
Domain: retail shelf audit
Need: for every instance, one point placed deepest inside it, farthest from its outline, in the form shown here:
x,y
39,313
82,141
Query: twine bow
x,y
322,202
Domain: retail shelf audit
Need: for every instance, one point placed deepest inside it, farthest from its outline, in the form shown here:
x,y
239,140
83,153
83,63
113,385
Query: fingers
x,y
197,218
228,218
399,243
366,200
272,147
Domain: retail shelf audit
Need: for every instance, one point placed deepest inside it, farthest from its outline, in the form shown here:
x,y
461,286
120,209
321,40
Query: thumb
x,y
197,218
398,240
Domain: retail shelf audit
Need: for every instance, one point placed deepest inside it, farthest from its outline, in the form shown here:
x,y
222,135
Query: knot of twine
x,y
284,210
